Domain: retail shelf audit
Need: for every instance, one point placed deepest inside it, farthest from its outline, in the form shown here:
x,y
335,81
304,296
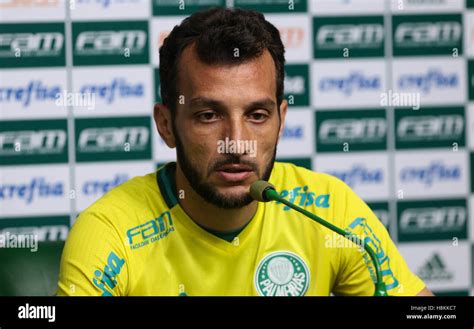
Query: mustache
x,y
233,159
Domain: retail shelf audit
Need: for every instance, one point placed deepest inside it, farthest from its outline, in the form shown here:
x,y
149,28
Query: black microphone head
x,y
258,190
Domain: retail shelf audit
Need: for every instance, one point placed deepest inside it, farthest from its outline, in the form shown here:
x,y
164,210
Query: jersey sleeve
x,y
357,274
93,262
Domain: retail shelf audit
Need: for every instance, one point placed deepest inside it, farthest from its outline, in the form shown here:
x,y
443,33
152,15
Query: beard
x,y
208,191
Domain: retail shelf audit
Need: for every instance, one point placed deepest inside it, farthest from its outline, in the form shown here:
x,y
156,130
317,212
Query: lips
x,y
234,172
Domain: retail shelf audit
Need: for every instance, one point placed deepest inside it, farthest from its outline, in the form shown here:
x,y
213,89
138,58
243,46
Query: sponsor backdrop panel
x,y
380,94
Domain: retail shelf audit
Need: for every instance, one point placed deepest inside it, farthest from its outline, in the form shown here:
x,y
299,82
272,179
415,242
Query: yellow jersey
x,y
137,240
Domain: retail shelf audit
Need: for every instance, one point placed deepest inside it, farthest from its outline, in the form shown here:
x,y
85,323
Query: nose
x,y
236,131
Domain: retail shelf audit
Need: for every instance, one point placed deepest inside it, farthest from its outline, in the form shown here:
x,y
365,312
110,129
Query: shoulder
x,y
128,195
124,205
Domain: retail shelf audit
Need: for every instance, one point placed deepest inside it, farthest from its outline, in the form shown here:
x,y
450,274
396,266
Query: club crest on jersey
x,y
282,273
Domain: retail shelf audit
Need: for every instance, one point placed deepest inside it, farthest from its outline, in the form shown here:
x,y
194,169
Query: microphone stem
x,y
380,289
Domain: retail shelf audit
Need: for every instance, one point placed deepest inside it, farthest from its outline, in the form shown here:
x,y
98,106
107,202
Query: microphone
x,y
263,191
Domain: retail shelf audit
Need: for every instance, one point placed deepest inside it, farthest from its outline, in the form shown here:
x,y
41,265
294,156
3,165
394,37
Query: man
x,y
192,227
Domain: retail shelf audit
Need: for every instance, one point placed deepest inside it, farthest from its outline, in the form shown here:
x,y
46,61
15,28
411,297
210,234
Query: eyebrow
x,y
267,103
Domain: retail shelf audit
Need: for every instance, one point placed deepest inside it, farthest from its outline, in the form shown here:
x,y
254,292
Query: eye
x,y
259,116
207,116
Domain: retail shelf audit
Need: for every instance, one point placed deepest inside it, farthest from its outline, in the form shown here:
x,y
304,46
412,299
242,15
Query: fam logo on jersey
x,y
110,43
297,84
282,273
152,231
348,37
430,127
360,227
432,220
338,131
33,141
427,35
109,139
29,45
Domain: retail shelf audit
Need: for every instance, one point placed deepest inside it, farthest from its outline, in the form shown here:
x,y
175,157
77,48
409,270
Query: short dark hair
x,y
217,32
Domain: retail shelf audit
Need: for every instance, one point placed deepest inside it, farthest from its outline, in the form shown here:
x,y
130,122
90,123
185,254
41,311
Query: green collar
x,y
166,183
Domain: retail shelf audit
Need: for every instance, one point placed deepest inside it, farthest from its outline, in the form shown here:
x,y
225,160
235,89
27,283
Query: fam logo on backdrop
x,y
33,142
421,35
344,131
432,220
348,37
32,45
430,128
110,43
110,139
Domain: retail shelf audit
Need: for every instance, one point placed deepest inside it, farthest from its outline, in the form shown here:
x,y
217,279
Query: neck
x,y
207,215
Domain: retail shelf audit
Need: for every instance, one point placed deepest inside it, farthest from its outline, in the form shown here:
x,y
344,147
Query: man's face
x,y
226,126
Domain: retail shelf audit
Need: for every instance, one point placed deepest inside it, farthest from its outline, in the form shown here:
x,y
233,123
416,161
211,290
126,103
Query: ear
x,y
162,116
283,108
